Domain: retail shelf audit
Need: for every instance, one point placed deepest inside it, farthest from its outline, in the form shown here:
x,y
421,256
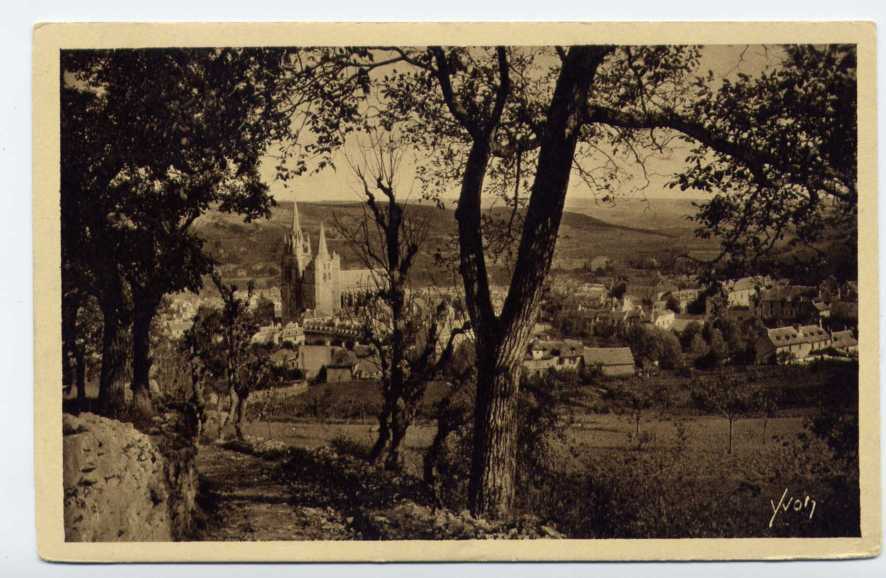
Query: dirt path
x,y
249,498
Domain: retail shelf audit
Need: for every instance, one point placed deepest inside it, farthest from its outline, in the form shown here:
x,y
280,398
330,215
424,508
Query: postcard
x,y
455,292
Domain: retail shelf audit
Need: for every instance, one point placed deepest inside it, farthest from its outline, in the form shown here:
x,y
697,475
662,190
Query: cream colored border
x,y
49,38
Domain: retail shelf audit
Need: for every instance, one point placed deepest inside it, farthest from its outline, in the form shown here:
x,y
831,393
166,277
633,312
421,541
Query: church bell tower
x,y
295,259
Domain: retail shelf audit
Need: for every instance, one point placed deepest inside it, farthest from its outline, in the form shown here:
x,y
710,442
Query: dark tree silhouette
x,y
151,140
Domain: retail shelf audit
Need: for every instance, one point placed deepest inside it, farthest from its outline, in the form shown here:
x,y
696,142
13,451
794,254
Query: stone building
x,y
316,283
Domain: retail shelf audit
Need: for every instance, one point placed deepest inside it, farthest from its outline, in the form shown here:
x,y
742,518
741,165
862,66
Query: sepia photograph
x,y
459,292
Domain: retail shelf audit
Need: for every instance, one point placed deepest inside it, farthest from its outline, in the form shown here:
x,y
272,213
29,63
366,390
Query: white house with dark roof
x,y
793,343
560,355
664,319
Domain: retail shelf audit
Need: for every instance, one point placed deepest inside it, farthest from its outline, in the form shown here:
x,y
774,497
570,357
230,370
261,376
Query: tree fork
x,y
501,341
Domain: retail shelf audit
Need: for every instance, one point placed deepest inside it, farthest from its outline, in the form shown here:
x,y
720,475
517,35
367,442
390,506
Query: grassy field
x,y
677,484
591,434
598,478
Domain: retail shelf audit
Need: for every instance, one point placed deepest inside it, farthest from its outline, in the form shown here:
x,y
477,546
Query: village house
x,y
266,335
791,344
341,367
847,311
664,319
292,333
844,341
593,292
684,297
313,358
743,292
561,355
628,302
367,369
787,304
612,361
285,359
681,322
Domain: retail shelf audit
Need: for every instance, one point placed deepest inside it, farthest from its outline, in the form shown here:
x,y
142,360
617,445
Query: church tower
x,y
322,280
295,260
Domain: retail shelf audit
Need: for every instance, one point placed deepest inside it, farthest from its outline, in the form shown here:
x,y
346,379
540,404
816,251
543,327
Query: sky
x,y
340,184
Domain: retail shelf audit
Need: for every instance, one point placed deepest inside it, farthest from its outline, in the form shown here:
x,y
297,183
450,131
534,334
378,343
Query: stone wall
x,y
124,485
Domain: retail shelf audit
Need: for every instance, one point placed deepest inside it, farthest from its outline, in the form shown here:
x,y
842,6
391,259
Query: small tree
x,y
220,349
689,332
264,311
727,395
645,343
698,348
671,355
636,398
408,331
718,351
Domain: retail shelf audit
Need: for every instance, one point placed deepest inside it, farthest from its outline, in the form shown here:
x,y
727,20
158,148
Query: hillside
x,y
254,248
657,214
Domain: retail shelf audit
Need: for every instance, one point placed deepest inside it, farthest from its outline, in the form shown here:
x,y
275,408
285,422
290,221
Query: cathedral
x,y
316,284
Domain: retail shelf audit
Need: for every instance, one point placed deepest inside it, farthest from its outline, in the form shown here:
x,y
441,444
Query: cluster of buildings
x,y
331,363
309,333
571,355
797,319
660,303
798,344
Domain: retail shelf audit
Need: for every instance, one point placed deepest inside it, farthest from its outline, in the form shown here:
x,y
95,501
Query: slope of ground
x,y
255,247
249,498
259,490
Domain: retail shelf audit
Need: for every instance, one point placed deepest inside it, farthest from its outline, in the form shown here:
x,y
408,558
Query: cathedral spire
x,y
322,251
296,222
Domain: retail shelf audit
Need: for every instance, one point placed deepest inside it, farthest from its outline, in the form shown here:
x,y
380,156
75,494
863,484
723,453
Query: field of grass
x,y
599,478
594,433
676,484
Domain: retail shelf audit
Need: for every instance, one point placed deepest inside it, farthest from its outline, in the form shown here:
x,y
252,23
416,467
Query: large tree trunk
x,y
111,388
501,342
141,360
80,380
69,336
401,419
393,379
494,460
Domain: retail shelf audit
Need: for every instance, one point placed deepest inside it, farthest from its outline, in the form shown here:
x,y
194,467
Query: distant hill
x,y
666,215
584,234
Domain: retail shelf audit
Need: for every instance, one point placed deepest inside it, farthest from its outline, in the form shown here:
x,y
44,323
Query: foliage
x,y
541,433
673,304
651,344
220,352
636,397
795,128
151,140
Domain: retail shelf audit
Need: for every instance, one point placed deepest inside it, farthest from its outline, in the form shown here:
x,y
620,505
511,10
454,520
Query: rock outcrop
x,y
124,485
